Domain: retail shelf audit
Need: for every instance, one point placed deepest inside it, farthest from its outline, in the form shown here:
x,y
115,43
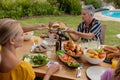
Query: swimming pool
x,y
115,14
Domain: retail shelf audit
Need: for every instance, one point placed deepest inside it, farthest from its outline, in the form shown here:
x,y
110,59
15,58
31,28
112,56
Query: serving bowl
x,y
93,56
49,41
28,35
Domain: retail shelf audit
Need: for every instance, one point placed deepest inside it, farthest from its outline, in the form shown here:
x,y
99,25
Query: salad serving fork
x,y
79,69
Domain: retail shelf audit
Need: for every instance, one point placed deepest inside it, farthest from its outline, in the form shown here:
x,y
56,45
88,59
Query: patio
x,y
99,16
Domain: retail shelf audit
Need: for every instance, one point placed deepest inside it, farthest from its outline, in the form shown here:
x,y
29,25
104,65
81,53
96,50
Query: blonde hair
x,y
117,71
8,28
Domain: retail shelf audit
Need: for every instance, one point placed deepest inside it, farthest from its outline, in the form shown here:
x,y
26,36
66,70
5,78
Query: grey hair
x,y
90,9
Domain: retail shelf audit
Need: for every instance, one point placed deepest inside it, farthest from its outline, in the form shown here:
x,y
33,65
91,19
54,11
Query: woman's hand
x,y
41,27
51,70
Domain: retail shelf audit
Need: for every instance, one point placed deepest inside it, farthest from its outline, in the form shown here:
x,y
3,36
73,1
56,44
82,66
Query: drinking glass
x,y
50,50
50,43
114,63
49,53
35,40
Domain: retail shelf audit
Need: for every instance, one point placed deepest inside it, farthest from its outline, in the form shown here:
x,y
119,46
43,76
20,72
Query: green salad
x,y
36,59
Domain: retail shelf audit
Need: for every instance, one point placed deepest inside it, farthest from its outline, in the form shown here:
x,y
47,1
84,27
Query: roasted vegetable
x,y
68,60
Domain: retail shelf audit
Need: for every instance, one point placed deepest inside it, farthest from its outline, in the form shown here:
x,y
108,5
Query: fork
x,y
79,69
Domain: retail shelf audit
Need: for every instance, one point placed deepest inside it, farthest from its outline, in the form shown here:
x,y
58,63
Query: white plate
x,y
41,50
36,60
95,72
118,35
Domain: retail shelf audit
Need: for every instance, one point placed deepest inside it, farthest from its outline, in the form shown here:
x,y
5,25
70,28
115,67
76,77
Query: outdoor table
x,y
66,73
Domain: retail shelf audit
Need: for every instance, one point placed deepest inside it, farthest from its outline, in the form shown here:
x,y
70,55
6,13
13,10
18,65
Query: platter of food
x,y
66,59
36,60
72,49
58,25
111,52
44,36
39,48
28,35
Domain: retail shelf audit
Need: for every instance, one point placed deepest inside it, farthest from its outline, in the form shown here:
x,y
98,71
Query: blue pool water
x,y
115,14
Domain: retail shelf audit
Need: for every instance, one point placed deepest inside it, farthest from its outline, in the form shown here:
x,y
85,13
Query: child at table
x,y
11,68
112,74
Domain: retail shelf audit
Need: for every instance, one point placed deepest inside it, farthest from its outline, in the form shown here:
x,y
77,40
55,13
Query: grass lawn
x,y
113,28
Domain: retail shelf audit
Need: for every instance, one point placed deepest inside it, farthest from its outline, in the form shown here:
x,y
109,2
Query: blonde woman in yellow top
x,y
11,68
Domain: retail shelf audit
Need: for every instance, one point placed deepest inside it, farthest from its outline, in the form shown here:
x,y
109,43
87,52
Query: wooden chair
x,y
103,26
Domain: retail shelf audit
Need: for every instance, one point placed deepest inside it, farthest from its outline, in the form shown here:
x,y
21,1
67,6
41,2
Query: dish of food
x,y
44,36
72,49
68,60
95,72
95,53
94,56
36,60
111,52
28,35
58,25
39,48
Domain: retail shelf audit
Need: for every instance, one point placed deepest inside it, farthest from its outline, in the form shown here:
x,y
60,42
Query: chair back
x,y
103,26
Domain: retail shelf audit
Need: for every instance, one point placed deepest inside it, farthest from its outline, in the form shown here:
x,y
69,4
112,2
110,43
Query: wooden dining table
x,y
65,73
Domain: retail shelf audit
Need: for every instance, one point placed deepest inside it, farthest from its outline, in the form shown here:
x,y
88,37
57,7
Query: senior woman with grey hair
x,y
89,28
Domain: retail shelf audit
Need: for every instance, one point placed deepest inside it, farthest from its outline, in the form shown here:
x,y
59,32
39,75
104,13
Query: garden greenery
x,y
116,2
95,3
23,8
68,6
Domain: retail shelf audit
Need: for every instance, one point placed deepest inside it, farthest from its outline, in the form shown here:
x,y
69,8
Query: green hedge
x,y
68,6
116,2
108,1
95,3
22,8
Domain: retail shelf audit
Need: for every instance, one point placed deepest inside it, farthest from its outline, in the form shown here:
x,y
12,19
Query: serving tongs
x,y
79,70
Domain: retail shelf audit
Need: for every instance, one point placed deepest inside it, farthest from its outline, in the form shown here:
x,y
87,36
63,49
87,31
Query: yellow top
x,y
0,47
22,71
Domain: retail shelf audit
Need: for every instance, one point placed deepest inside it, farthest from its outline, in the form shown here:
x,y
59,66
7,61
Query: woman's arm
x,y
37,27
52,69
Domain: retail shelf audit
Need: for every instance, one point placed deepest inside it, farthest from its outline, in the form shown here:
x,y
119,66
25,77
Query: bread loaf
x,y
111,49
62,26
